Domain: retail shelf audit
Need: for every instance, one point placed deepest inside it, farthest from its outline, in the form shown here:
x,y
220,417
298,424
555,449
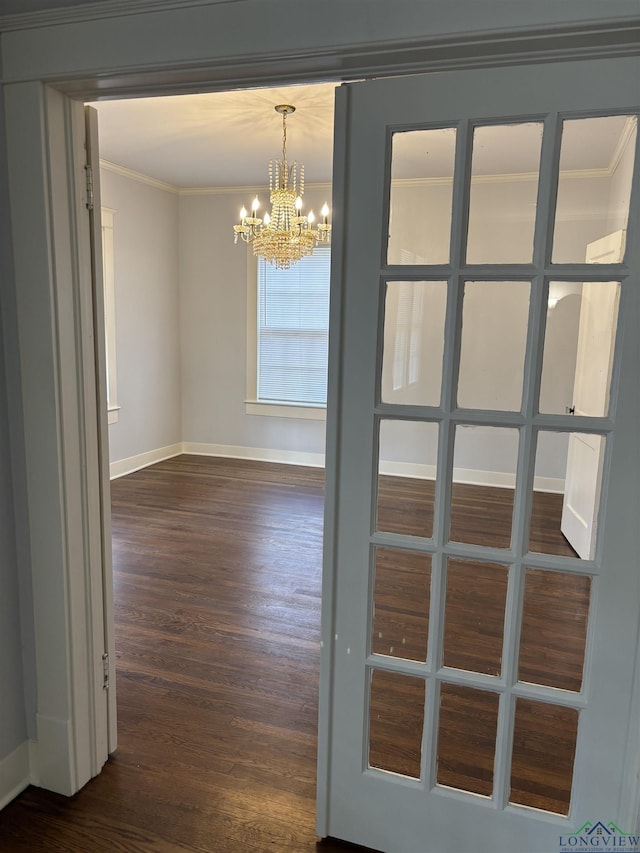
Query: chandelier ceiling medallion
x,y
284,236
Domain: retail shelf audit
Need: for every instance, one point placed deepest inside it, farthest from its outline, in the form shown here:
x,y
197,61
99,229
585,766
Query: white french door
x,y
478,675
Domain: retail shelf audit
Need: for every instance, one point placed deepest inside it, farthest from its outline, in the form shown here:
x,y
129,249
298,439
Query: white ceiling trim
x,y
139,177
172,188
576,174
625,137
507,178
93,11
246,188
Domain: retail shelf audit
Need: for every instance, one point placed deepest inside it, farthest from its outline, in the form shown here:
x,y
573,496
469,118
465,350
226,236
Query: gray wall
x,y
145,233
14,602
13,729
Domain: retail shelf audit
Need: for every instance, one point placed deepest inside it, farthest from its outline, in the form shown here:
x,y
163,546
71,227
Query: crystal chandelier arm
x,y
286,234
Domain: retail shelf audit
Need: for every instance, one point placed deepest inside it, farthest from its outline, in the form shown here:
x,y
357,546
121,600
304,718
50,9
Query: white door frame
x,y
49,265
58,378
375,110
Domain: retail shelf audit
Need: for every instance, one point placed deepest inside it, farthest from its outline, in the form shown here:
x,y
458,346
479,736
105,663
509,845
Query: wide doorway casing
x,y
43,323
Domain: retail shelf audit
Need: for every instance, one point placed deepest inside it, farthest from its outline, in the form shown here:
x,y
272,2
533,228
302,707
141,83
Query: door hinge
x,y
89,173
105,671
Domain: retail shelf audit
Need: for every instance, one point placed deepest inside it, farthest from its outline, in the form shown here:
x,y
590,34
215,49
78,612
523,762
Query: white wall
x,y
620,188
213,311
212,318
494,317
145,229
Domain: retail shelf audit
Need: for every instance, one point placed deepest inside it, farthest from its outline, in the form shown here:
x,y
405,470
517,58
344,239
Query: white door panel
x,y
371,796
594,363
108,693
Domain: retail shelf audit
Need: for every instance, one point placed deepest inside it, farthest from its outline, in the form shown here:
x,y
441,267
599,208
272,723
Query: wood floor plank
x,y
217,606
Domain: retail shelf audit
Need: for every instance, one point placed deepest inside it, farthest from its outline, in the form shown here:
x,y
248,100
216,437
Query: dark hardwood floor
x,y
217,597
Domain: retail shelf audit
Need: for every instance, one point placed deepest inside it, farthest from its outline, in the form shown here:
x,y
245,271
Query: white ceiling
x,y
226,139
219,139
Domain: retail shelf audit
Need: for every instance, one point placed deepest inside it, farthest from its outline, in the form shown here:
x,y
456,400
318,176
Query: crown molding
x,y
172,188
246,189
507,178
400,183
138,176
625,137
96,11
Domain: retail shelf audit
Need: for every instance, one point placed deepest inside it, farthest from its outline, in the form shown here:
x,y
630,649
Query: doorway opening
x,y
485,463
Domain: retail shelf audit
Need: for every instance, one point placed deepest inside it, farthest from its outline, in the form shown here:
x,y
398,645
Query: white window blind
x,y
293,326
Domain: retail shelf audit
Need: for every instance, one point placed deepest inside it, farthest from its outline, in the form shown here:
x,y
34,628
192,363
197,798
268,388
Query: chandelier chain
x,y
284,141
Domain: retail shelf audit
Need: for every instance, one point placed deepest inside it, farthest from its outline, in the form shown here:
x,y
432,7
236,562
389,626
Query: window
x,y
291,348
108,282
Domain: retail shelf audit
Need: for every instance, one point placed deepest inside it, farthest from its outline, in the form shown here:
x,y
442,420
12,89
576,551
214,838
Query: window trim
x,y
253,406
109,289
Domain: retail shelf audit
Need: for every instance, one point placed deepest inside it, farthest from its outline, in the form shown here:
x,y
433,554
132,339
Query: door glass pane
x,y
544,746
579,345
484,476
422,164
401,595
504,193
494,338
396,717
554,628
413,342
474,615
467,738
566,494
406,477
594,186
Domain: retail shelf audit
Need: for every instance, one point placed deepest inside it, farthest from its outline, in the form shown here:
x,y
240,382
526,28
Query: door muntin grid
x,y
528,422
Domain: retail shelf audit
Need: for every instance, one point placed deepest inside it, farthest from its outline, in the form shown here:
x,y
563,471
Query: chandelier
x,y
284,236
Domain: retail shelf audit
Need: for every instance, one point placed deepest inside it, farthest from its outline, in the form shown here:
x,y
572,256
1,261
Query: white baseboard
x,y
142,460
316,460
51,764
503,480
496,479
255,454
411,470
15,774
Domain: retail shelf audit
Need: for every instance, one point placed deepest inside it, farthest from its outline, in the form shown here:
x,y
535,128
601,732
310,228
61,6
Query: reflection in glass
x,y
504,192
422,164
594,186
554,628
494,339
482,514
413,342
401,594
544,746
579,347
396,717
566,496
467,738
406,477
474,615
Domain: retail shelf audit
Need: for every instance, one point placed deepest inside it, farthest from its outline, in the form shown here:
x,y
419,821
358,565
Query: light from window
x,y
293,329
